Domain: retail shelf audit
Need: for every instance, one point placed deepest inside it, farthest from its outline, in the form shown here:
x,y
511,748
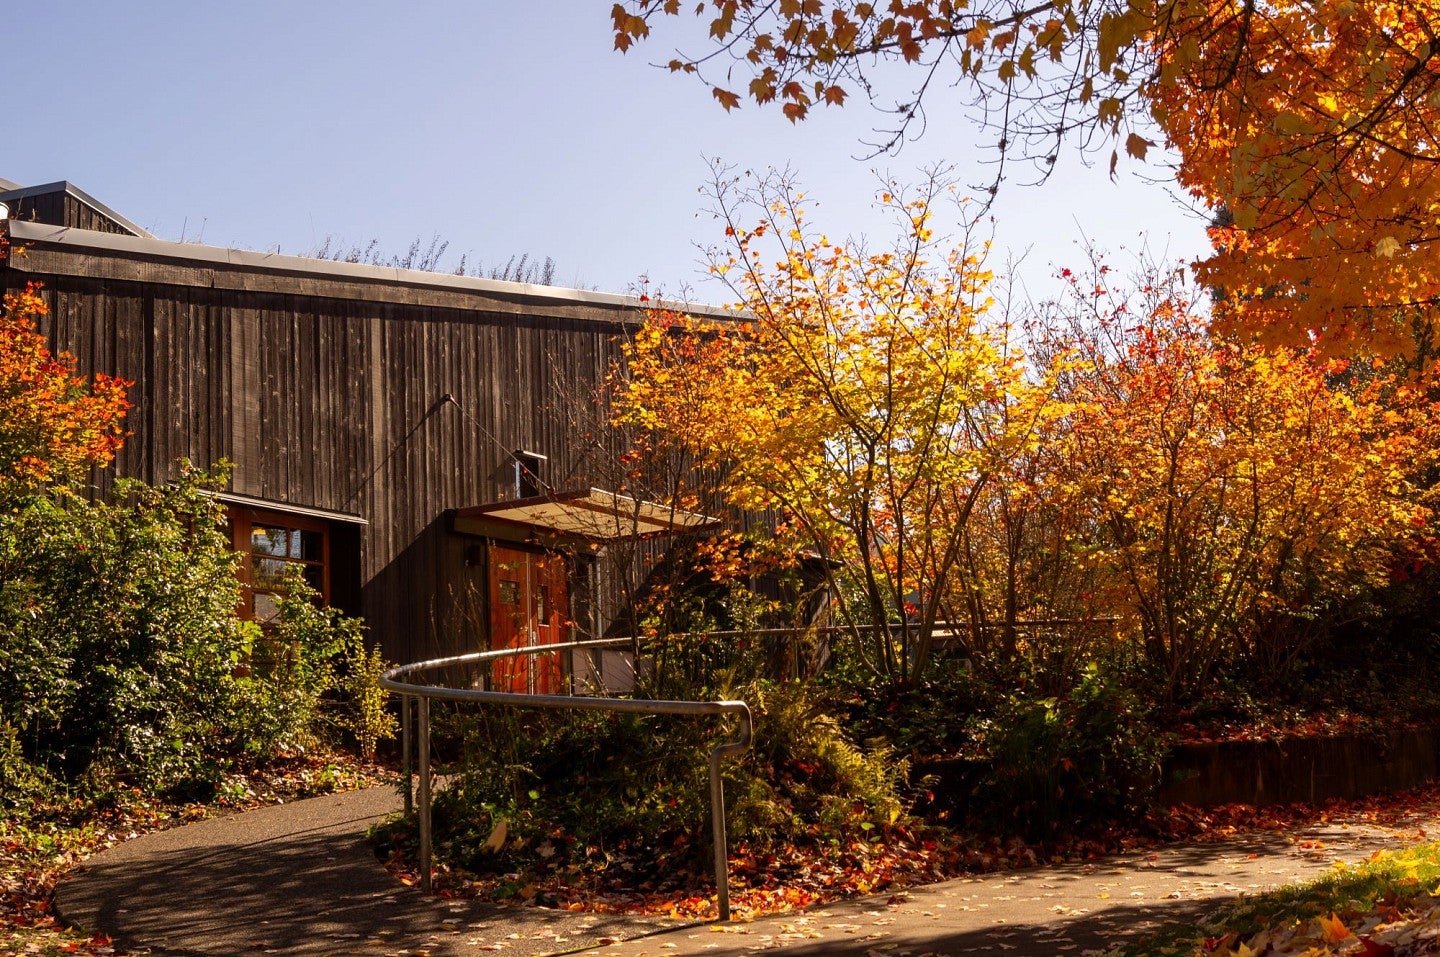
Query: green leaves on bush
x,y
1043,764
589,780
123,663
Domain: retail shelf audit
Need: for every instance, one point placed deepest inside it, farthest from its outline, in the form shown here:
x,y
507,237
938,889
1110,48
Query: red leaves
x,y
1368,948
53,424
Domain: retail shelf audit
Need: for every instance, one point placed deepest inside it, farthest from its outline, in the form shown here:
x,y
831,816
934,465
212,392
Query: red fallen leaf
x,y
1368,948
1212,944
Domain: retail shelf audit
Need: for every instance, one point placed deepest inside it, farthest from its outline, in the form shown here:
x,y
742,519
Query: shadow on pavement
x,y
301,893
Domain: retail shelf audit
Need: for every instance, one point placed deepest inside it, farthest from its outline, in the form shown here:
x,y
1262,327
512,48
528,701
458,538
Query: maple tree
x,y
53,423
860,395
1308,125
1230,490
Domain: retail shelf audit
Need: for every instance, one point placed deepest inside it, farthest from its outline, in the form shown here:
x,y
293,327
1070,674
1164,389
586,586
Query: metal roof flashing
x,y
251,501
194,254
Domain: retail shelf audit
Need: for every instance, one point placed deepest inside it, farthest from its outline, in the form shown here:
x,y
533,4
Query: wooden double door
x,y
529,606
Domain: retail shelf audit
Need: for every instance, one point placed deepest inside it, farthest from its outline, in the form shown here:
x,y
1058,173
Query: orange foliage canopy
x,y
865,397
1313,124
1310,126
1236,488
53,424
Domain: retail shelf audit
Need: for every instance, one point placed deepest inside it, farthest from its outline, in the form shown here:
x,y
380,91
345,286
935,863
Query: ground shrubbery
x,y
586,784
123,664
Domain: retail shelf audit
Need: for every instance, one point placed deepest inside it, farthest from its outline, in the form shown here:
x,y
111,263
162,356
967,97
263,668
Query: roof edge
x,y
307,511
300,266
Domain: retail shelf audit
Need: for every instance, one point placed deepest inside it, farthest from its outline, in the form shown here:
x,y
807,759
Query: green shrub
x,y
585,782
122,659
1044,764
118,633
310,678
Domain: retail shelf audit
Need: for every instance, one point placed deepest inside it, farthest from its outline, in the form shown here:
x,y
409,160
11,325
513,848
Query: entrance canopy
x,y
594,514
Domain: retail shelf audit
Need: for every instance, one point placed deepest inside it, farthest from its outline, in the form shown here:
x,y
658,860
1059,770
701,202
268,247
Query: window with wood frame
x,y
270,545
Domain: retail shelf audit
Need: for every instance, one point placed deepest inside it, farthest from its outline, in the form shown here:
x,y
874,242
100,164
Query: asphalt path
x,y
301,879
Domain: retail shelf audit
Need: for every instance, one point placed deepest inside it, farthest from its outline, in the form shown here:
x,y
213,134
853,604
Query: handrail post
x,y
423,730
407,767
717,809
717,832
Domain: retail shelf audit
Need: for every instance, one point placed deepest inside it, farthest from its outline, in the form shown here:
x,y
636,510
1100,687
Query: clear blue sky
x,y
503,127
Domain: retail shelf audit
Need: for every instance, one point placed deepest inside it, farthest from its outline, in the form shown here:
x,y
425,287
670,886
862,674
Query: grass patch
x,y
1388,899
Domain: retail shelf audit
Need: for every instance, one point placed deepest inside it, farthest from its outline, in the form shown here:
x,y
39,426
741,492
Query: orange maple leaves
x,y
1227,487
53,424
1209,494
1313,125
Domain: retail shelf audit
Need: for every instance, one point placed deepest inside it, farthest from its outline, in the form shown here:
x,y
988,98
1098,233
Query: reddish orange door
x,y
529,605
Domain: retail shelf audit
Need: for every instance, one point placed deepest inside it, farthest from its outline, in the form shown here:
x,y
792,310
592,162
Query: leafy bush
x,y
1040,764
582,783
118,633
1028,752
311,677
122,661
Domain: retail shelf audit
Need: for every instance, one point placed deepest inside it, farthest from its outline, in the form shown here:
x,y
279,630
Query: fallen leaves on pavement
x,y
40,848
677,881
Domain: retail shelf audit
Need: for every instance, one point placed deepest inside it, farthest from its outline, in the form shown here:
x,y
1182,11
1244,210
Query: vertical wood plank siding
x,y
337,403
61,209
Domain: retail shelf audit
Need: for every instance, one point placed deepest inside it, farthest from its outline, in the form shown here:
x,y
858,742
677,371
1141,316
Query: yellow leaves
x,y
1288,123
864,393
1326,168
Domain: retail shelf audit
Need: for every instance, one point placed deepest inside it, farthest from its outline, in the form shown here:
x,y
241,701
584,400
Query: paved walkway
x,y
300,879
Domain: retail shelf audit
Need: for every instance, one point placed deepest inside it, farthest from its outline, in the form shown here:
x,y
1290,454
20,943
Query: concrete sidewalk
x,y
300,879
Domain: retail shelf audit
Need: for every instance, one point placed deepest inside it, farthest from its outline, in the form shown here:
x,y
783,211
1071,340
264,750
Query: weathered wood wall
x,y
337,402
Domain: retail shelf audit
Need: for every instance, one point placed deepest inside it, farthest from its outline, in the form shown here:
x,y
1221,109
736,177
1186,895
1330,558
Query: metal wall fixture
x,y
415,735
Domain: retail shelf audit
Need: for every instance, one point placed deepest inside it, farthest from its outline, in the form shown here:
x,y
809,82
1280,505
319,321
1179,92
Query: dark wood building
x,y
403,437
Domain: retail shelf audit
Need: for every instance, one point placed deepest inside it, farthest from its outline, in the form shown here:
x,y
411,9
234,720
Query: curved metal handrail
x,y
424,694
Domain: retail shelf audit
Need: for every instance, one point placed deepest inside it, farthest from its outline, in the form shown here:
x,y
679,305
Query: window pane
x,y
311,546
266,607
269,573
509,593
315,576
270,541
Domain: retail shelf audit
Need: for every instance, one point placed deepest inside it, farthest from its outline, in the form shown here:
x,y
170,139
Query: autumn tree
x,y
1310,122
1231,492
859,394
53,423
